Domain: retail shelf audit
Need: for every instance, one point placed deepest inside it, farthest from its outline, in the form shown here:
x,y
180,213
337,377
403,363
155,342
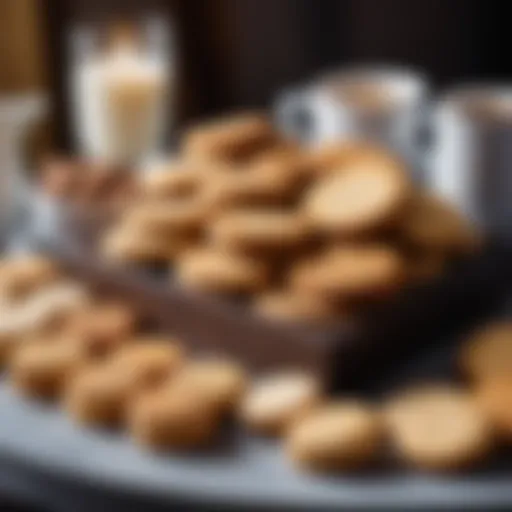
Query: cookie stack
x,y
307,235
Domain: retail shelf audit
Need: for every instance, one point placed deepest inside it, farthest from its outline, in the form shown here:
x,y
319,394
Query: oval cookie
x,y
362,198
351,272
341,436
439,428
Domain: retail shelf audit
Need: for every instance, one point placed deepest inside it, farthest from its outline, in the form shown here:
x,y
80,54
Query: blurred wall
x,y
22,55
240,53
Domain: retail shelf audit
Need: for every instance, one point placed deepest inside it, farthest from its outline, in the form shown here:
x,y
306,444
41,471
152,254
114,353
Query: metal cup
x,y
472,154
380,104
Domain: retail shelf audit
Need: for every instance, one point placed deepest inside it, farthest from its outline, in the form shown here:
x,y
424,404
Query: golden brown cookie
x,y
488,352
233,138
494,396
364,197
258,231
41,368
432,224
149,361
250,188
43,313
173,180
439,428
221,382
166,218
294,306
341,436
98,395
172,419
22,275
351,272
273,402
131,245
102,327
212,270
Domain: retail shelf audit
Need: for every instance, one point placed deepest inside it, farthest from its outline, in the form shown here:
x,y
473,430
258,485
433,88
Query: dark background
x,y
239,53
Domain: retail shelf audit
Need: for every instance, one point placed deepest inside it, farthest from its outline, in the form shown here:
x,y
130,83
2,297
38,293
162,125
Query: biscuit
x,y
41,368
42,314
234,138
259,231
432,224
364,197
172,419
221,382
98,395
273,402
340,436
439,429
167,218
131,245
494,396
293,306
149,361
351,272
253,187
176,179
488,352
103,327
215,271
22,275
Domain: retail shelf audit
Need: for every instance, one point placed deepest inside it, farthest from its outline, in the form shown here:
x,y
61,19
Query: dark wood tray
x,y
345,355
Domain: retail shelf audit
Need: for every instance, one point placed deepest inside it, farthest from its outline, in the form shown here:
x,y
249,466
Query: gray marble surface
x,y
241,472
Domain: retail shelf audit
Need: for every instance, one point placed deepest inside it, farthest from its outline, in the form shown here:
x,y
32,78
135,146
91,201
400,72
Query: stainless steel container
x,y
471,162
378,103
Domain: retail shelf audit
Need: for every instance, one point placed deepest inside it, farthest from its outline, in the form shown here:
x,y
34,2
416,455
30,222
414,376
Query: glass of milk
x,y
121,76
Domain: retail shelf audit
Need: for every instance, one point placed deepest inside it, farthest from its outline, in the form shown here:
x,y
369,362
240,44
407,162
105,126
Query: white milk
x,y
119,100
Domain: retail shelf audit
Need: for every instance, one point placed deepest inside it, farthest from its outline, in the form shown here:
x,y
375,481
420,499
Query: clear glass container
x,y
121,80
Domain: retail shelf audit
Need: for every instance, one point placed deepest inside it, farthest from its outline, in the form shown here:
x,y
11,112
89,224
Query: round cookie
x,y
101,328
488,352
214,271
22,275
292,306
233,138
173,180
250,188
494,395
340,436
41,314
149,361
130,244
439,428
260,231
430,224
167,218
273,402
351,272
220,382
362,198
173,419
41,368
98,395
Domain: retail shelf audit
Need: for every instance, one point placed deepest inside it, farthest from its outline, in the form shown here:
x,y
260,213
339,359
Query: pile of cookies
x,y
305,234
61,342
